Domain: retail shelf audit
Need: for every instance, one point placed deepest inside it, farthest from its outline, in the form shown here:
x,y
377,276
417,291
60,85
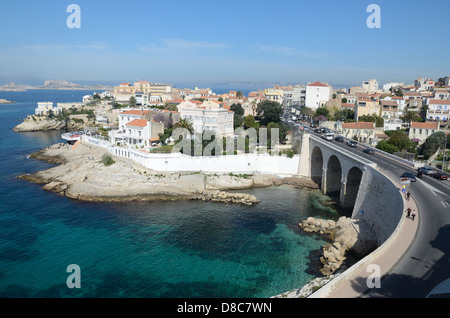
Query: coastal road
x,y
426,263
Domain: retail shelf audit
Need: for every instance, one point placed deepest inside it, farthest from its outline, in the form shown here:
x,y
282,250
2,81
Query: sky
x,y
212,42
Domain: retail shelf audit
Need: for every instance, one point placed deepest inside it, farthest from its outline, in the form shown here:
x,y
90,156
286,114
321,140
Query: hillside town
x,y
142,114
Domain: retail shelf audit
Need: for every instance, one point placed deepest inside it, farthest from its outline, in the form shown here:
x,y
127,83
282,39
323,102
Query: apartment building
x,y
317,94
438,110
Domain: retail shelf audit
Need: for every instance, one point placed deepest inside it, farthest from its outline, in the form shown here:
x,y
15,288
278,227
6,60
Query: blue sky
x,y
205,42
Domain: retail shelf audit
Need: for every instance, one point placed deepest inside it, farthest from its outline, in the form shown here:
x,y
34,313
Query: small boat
x,y
72,137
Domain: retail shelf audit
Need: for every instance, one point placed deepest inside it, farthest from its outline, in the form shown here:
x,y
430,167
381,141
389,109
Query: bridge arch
x,y
316,166
333,176
353,181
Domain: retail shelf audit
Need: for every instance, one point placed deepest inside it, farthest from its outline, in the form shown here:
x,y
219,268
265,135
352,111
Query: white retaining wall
x,y
178,162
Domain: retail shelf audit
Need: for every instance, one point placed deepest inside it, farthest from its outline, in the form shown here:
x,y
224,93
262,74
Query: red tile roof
x,y
318,84
138,123
439,101
135,112
425,125
359,125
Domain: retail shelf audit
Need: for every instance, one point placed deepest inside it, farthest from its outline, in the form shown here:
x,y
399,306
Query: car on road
x,y
317,130
409,175
440,176
426,170
339,138
328,137
351,143
369,151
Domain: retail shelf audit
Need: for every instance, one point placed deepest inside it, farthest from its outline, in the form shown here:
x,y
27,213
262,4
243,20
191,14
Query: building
x,y
423,83
209,115
370,86
274,94
419,132
388,87
365,106
317,94
46,108
123,92
361,131
438,110
135,129
389,109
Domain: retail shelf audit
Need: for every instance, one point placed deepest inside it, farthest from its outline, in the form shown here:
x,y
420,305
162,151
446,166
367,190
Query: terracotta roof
x,y
439,101
389,102
359,125
426,125
318,84
138,123
135,112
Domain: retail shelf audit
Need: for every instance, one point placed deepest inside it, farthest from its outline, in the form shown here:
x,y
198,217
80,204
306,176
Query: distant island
x,y
4,101
54,84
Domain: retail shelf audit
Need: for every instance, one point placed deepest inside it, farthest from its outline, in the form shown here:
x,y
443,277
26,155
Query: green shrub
x,y
107,160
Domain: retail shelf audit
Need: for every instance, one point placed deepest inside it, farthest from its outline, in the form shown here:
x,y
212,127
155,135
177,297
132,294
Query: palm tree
x,y
239,94
184,123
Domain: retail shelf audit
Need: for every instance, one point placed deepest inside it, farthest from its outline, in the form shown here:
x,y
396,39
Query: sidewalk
x,y
353,282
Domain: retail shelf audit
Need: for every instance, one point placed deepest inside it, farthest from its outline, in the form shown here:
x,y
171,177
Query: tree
x,y
401,140
411,116
97,96
132,101
239,94
387,147
184,123
249,121
322,111
344,100
238,113
269,111
432,144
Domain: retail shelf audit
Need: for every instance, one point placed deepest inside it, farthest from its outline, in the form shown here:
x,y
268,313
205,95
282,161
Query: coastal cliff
x,y
81,174
37,123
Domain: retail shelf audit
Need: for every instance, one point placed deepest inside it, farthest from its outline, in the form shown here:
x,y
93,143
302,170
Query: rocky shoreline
x,y
345,235
81,175
5,101
38,123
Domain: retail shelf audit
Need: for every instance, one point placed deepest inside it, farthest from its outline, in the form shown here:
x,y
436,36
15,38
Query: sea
x,y
170,249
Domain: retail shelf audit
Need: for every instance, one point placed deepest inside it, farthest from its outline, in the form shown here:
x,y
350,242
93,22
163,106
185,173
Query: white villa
x,y
136,130
209,115
44,109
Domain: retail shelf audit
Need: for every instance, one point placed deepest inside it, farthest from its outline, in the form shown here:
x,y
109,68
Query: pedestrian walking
x,y
413,215
408,195
408,212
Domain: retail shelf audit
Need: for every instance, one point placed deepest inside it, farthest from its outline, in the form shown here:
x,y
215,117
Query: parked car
x,y
409,175
339,138
440,176
369,151
426,170
351,143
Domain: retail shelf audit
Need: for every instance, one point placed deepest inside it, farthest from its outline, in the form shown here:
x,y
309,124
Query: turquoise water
x,y
156,249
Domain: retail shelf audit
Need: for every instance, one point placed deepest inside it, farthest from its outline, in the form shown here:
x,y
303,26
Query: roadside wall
x,y
178,162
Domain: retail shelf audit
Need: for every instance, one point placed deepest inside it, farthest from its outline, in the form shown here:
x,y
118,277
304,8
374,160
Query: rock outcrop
x,y
345,234
81,175
226,197
39,123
